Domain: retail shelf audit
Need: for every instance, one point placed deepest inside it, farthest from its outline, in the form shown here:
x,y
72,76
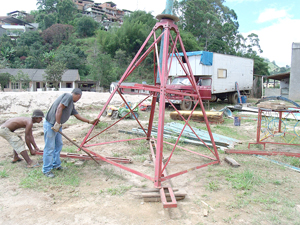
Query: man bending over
x,y
7,132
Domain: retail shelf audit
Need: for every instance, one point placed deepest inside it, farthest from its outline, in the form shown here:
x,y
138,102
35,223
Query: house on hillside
x,y
37,81
15,27
105,13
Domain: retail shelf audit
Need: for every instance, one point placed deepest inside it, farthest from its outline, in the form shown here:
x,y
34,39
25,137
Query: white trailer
x,y
224,71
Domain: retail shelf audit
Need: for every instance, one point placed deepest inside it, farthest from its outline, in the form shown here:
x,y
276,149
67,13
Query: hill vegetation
x,y
68,39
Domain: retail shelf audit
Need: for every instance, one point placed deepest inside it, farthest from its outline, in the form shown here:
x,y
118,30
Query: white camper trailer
x,y
224,71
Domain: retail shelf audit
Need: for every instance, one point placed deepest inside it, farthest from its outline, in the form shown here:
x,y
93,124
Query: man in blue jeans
x,y
60,111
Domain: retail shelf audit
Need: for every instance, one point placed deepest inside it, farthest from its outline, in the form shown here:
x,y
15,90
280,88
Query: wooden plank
x,y
232,162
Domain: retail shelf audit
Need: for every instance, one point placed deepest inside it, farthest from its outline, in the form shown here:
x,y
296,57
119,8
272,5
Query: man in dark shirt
x,y
60,111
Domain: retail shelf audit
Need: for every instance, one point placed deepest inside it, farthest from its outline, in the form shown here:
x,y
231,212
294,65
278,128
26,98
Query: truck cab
x,y
184,95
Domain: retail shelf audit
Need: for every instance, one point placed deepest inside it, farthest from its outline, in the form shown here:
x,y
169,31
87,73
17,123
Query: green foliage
x,y
71,56
86,26
49,6
244,180
103,69
120,190
54,73
22,78
3,173
213,24
66,11
130,36
4,80
29,38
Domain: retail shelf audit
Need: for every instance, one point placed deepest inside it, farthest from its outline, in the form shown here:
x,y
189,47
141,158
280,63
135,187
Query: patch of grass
x,y
140,158
35,179
70,149
139,150
3,173
244,180
110,173
213,186
293,161
102,125
120,190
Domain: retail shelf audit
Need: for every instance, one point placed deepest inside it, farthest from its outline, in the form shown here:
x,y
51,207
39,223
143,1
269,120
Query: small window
x,y
183,59
69,85
222,73
14,85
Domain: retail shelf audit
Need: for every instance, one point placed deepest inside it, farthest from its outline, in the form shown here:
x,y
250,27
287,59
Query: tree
x,y
4,80
49,6
57,33
71,56
29,38
213,24
22,78
54,73
66,11
86,26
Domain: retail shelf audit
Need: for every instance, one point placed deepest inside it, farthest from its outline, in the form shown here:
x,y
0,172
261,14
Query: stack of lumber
x,y
272,105
153,194
213,117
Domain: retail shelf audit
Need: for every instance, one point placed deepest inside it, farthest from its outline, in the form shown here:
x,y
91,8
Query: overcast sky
x,y
276,22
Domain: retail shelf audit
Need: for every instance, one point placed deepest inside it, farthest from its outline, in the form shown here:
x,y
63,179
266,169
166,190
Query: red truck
x,y
183,85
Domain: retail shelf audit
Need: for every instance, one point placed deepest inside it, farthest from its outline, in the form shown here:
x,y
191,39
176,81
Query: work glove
x,y
94,121
56,127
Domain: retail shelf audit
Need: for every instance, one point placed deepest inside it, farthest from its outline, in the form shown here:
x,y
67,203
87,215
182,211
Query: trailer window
x,y
222,73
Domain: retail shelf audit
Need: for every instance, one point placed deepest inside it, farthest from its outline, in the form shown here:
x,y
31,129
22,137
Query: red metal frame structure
x,y
166,25
276,126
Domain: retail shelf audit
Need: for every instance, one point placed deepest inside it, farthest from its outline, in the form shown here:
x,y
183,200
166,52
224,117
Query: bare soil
x,y
109,195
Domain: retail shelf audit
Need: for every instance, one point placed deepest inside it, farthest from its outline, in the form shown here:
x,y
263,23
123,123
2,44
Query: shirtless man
x,y
7,132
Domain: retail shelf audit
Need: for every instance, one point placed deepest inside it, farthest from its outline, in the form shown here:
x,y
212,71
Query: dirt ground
x,y
92,194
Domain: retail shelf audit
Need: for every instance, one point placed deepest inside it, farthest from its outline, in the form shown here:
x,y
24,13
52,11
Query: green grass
x,y
213,186
244,180
70,149
35,179
111,174
120,190
3,173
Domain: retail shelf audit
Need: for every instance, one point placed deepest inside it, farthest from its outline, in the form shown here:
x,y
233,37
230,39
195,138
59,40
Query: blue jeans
x,y
53,146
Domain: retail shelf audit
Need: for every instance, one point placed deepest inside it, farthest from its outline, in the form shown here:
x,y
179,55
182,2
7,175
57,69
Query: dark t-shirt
x,y
67,100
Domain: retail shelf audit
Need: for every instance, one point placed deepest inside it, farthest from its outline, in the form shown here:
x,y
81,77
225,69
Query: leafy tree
x,y
130,36
71,56
45,20
86,26
49,6
213,24
66,11
29,38
4,80
7,53
22,78
53,73
57,33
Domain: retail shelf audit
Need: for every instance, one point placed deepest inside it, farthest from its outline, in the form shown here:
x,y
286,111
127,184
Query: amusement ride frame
x,y
166,24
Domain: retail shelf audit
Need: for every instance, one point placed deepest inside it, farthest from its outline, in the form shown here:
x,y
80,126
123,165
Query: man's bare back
x,y
18,122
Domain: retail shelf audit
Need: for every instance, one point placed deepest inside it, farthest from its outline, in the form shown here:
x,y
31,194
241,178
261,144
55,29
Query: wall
x,y
294,92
